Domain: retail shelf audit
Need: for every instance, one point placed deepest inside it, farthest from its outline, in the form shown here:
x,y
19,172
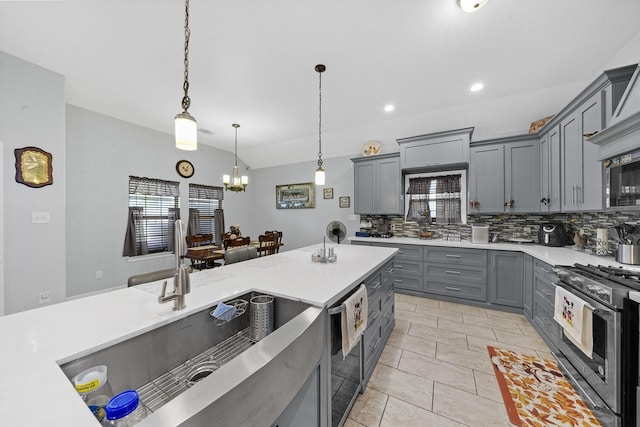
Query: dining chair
x,y
268,244
238,241
197,240
279,233
237,254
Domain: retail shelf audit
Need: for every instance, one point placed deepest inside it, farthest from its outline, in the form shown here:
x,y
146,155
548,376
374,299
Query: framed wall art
x,y
33,167
328,193
345,202
295,196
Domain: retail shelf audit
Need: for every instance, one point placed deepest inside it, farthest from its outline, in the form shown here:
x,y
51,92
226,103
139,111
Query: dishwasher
x,y
346,373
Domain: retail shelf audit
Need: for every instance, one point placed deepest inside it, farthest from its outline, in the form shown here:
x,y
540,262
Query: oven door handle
x,y
593,305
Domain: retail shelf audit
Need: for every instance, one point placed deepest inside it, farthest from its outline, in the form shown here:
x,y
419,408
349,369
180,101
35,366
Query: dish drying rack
x,y
226,312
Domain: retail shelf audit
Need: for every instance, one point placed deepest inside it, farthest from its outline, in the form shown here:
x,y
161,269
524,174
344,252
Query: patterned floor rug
x,y
536,393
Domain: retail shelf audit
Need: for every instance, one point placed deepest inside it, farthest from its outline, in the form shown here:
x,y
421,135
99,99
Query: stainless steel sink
x,y
165,362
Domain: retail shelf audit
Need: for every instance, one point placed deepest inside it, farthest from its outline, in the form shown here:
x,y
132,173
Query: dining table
x,y
205,255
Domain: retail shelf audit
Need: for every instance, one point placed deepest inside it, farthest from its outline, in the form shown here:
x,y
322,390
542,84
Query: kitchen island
x,y
34,390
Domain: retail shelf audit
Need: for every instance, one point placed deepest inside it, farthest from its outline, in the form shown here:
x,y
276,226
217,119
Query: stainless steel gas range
x,y
612,370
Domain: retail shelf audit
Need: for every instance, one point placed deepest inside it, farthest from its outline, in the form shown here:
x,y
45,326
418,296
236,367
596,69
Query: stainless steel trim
x,y
450,288
452,272
453,256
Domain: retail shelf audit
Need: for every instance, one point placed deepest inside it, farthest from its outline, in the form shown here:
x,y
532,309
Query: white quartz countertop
x,y
35,391
551,255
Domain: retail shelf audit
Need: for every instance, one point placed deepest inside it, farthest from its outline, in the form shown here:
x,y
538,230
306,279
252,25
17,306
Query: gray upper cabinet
x,y
486,179
570,170
378,185
550,170
506,274
504,176
581,168
448,149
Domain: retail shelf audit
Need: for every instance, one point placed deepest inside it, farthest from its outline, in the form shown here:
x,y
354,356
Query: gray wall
x,y
303,227
32,111
101,154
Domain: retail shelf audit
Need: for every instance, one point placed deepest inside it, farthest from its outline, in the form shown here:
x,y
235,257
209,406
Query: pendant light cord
x,y
186,101
236,145
320,71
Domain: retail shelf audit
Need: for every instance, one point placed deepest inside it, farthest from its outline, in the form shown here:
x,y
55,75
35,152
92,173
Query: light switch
x,y
40,218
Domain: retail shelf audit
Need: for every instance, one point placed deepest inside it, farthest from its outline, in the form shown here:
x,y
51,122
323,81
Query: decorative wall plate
x,y
33,167
371,148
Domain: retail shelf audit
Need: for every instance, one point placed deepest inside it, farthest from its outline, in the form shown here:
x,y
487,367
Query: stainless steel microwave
x,y
622,181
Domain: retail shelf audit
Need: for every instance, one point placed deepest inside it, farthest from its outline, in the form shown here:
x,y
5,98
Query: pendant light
x,y
235,182
471,5
186,127
320,172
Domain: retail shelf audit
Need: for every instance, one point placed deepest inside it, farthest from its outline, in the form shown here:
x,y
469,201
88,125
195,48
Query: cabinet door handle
x,y
452,272
453,256
450,288
376,344
375,316
397,281
377,284
399,266
546,292
573,195
579,194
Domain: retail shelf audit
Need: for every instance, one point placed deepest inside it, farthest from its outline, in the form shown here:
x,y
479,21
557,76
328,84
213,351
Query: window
x,y
205,202
154,205
436,197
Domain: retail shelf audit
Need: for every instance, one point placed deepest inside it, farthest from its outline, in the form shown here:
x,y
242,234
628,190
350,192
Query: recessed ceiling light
x,y
389,108
476,87
471,5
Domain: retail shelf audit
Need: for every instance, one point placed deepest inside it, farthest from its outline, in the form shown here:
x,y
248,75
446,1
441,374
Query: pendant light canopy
x,y
186,127
320,172
235,182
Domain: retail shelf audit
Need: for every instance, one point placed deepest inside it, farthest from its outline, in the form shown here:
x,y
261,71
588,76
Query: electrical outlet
x,y
40,218
44,297
98,274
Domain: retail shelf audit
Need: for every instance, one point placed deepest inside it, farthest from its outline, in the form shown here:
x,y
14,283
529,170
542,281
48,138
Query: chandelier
x,y
235,182
320,172
186,127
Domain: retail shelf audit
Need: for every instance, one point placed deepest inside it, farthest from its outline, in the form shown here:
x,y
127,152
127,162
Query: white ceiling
x,y
252,62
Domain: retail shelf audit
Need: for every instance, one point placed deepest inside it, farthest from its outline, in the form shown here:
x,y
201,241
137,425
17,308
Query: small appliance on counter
x,y
552,234
479,233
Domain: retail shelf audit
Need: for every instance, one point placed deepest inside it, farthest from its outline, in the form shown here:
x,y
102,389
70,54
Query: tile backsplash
x,y
507,225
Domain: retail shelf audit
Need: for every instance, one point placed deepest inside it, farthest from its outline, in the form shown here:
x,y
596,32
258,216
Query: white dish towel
x,y
576,319
354,319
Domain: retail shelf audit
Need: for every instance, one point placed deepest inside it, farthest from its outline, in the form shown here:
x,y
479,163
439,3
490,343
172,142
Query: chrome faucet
x,y
181,282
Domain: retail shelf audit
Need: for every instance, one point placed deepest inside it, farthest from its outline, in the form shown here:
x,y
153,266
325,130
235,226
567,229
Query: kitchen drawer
x,y
372,341
543,317
375,303
405,252
471,291
386,274
544,288
408,282
544,269
402,267
456,273
456,256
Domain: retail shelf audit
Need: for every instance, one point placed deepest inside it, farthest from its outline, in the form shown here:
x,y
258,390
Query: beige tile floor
x,y
435,369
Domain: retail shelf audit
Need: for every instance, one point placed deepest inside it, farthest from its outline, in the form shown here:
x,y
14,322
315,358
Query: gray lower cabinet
x,y
527,296
380,320
407,266
455,272
304,409
378,185
506,272
543,301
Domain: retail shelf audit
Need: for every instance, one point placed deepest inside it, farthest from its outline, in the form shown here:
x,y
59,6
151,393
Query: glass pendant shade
x,y
319,176
186,132
472,5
